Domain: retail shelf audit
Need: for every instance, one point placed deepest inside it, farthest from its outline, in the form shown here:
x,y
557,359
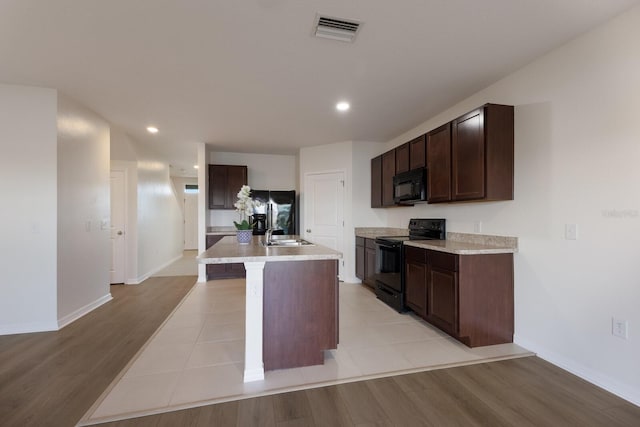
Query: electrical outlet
x,y
571,231
619,328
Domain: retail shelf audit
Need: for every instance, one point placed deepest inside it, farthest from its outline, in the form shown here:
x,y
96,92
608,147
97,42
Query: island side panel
x,y
300,312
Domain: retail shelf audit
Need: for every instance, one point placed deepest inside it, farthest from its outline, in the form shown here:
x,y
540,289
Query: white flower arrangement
x,y
244,206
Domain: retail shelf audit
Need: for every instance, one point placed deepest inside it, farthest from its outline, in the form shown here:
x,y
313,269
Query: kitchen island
x,y
291,302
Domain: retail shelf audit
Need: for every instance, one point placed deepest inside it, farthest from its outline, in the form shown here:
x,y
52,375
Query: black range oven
x,y
390,286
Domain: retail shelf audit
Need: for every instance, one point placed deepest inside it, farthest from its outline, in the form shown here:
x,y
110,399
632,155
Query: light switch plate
x,y
619,328
571,231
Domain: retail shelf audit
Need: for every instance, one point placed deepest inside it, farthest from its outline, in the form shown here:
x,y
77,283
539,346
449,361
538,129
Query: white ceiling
x,y
247,76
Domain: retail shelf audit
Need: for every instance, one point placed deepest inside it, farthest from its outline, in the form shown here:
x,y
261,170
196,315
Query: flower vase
x,y
244,236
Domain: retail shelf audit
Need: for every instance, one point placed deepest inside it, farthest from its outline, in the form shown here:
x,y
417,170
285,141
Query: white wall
x,y
84,248
265,172
178,187
577,153
124,158
122,146
363,215
203,209
160,224
29,210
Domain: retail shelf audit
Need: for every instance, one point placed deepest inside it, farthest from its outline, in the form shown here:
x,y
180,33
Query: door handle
x,y
120,233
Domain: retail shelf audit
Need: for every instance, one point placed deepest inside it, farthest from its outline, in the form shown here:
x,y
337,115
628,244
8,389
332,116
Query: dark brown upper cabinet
x,y
402,158
388,172
438,143
417,158
224,183
376,182
467,159
482,154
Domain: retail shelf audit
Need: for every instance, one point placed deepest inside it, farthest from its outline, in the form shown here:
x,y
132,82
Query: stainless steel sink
x,y
287,242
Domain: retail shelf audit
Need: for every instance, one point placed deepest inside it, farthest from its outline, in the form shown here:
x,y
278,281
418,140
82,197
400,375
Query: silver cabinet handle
x,y
308,230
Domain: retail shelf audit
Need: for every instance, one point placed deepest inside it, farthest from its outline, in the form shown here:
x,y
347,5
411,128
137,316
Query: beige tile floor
x,y
185,266
196,356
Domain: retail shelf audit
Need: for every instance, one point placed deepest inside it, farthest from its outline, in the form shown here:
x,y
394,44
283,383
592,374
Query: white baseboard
x,y
72,317
145,276
612,385
27,328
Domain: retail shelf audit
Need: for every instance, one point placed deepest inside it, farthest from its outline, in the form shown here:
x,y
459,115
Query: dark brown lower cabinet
x,y
443,299
360,257
366,261
223,271
416,280
470,297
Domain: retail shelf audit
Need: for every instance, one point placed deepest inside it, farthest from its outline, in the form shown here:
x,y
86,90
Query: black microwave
x,y
410,187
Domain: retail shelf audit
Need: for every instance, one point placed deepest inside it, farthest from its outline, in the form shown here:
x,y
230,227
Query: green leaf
x,y
244,225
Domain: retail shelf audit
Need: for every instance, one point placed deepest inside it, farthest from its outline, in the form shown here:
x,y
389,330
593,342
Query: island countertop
x,y
228,251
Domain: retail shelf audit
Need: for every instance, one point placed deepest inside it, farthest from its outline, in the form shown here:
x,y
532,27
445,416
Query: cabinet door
x,y
216,271
236,178
370,266
212,239
217,186
402,158
417,154
388,171
442,299
360,255
376,182
236,269
468,156
438,143
416,280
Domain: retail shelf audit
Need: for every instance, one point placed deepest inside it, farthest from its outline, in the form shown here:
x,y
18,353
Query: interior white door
x,y
118,218
324,210
190,221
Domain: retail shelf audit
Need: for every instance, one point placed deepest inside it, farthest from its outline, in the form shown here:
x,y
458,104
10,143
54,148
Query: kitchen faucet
x,y
267,236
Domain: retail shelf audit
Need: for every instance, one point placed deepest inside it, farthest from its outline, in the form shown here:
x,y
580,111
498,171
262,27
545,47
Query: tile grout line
x,y
116,380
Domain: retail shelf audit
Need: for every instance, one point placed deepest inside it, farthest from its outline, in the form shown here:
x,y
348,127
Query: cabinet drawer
x,y
415,254
370,243
443,260
359,241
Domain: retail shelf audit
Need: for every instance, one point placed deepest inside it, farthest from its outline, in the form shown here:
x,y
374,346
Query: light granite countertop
x,y
221,231
456,243
228,250
460,248
374,232
470,244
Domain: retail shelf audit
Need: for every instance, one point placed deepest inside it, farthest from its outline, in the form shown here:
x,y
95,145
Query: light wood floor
x,y
51,379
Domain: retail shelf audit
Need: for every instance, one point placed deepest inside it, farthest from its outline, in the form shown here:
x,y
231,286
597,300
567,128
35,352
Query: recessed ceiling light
x,y
195,166
342,106
152,129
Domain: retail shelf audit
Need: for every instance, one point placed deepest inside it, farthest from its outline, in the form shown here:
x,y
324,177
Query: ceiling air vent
x,y
336,28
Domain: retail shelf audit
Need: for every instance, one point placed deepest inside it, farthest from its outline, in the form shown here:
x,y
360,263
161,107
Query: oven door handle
x,y
388,245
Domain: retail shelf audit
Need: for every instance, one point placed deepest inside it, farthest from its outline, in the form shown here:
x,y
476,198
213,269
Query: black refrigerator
x,y
277,210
